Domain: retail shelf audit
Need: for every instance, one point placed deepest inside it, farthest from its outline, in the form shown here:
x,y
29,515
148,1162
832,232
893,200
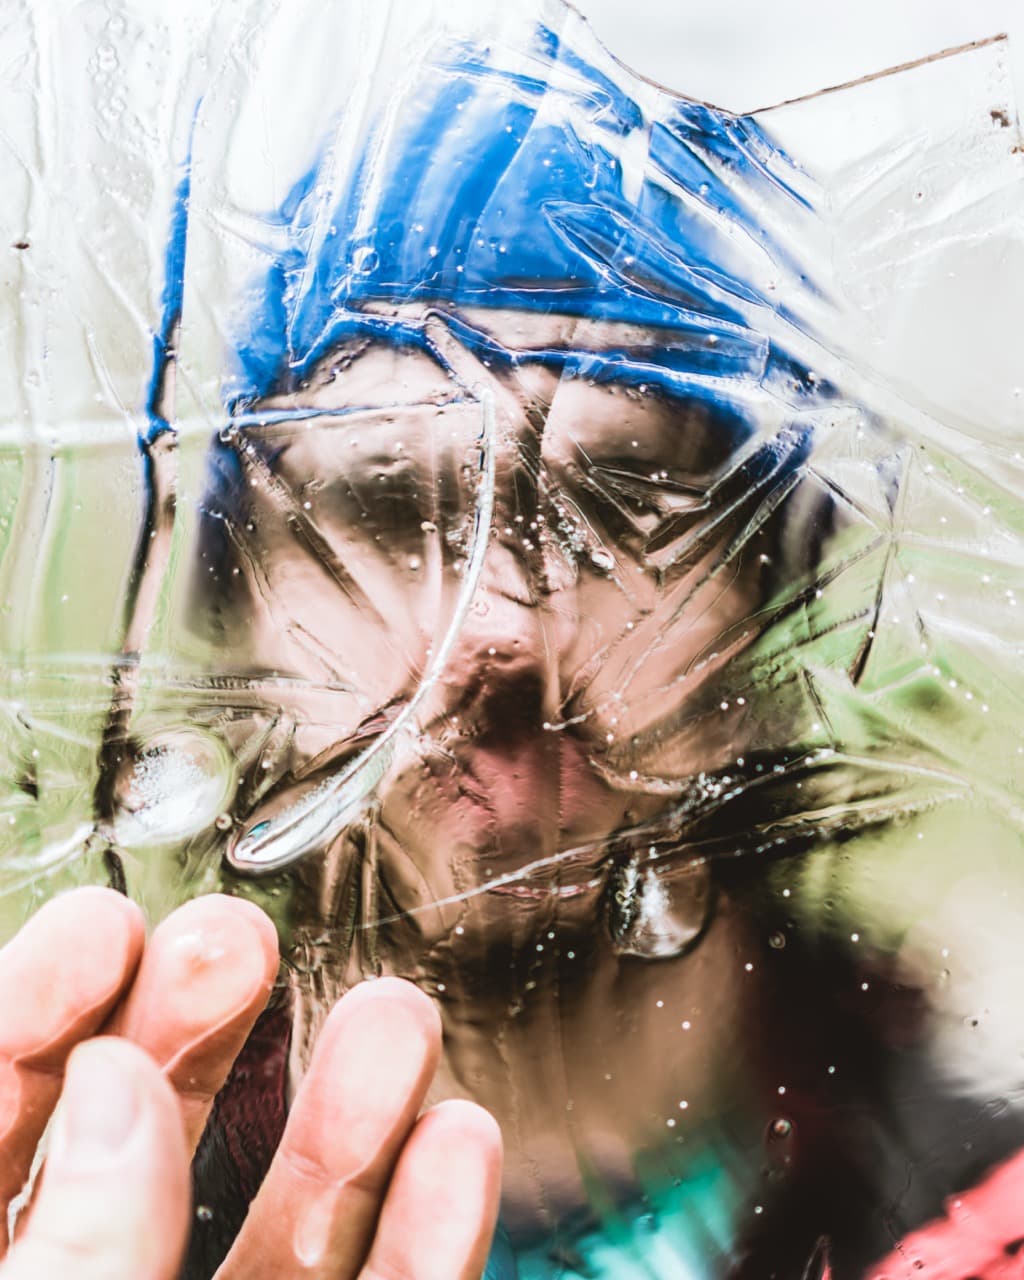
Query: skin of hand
x,y
135,1038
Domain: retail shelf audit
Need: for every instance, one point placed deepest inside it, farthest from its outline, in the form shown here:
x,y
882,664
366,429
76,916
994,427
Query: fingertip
x,y
113,1094
110,917
459,1116
123,1061
466,1139
396,993
256,918
102,898
62,974
219,928
114,1195
444,1195
211,964
367,1080
384,1012
389,1010
224,906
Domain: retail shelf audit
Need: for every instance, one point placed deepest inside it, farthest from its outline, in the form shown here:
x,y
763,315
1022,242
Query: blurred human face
x,y
524,855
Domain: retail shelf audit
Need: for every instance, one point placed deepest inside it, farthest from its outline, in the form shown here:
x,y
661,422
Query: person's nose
x,y
503,671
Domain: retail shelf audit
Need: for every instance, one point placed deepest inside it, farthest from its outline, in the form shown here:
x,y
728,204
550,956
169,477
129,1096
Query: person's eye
x,y
633,499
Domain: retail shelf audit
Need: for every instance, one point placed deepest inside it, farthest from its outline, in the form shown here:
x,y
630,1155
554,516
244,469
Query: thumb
x,y
114,1200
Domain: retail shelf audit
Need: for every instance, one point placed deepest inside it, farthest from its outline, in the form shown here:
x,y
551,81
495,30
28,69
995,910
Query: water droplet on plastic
x,y
657,916
171,786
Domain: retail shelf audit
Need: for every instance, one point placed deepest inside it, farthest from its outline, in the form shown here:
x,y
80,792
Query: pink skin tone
x,y
135,1038
490,786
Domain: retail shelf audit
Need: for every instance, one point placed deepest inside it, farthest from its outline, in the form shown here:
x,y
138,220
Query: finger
x,y
440,1211
60,977
114,1199
206,976
318,1205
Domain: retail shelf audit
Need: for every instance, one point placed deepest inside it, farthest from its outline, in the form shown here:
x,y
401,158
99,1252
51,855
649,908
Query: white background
x,y
745,54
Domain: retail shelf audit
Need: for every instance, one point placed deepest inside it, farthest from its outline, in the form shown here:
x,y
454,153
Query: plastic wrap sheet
x,y
553,540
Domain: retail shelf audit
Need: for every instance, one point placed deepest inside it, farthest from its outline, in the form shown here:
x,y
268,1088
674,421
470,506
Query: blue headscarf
x,y
549,190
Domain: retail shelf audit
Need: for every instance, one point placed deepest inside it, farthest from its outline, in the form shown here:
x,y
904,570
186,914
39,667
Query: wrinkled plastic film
x,y
555,541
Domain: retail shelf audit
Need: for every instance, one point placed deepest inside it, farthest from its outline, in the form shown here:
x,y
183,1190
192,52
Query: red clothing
x,y
981,1236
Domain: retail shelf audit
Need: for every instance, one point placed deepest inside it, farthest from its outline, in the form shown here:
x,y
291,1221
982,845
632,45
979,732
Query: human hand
x,y
144,1035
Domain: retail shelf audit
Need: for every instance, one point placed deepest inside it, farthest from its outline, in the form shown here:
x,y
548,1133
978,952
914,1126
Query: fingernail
x,y
99,1109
